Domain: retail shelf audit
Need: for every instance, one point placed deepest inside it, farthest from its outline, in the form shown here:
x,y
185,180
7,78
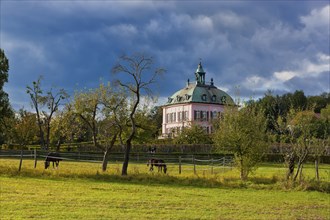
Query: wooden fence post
x,y
211,165
21,160
35,157
179,164
223,164
194,162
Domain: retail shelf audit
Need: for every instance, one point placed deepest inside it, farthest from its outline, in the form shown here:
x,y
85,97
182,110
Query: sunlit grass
x,y
270,175
79,190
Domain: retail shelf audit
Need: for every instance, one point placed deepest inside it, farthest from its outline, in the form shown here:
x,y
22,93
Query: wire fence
x,y
183,163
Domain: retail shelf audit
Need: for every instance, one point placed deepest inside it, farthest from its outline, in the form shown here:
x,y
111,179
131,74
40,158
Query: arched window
x,y
204,97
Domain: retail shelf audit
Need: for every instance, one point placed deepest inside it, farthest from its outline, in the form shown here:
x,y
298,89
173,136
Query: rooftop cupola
x,y
200,74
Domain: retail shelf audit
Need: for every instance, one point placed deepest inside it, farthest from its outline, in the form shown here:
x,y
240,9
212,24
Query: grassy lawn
x,y
81,191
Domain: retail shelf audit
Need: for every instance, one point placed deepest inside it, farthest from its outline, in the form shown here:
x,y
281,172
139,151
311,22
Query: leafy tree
x,y
87,106
325,113
303,128
68,128
140,74
115,119
146,123
4,67
24,129
316,103
156,116
5,108
104,111
193,135
299,100
242,131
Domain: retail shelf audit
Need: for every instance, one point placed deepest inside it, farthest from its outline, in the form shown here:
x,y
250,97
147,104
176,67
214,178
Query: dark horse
x,y
158,163
52,157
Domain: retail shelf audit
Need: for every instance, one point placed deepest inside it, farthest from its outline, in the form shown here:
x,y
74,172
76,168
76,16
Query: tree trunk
x,y
290,161
42,139
105,160
300,164
242,170
126,158
21,160
47,136
298,171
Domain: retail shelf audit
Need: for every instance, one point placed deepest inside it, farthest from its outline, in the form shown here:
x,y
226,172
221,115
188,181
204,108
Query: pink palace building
x,y
197,103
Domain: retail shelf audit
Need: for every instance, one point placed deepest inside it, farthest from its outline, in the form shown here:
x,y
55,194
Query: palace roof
x,y
200,92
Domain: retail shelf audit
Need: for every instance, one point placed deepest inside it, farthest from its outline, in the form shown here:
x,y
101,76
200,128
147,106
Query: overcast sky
x,y
246,47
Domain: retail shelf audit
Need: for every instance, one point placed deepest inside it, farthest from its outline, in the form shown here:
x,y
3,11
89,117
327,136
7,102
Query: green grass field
x,y
81,191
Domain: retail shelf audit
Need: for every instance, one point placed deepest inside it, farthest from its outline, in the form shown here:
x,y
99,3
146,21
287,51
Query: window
x,y
214,98
197,116
179,116
185,117
204,97
214,115
172,117
223,99
204,116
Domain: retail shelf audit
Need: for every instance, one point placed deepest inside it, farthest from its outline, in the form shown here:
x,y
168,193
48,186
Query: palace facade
x,y
197,103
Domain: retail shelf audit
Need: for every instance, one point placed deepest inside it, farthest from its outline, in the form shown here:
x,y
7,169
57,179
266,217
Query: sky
x,y
247,47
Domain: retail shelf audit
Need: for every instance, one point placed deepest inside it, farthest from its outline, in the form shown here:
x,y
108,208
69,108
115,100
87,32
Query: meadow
x,y
80,190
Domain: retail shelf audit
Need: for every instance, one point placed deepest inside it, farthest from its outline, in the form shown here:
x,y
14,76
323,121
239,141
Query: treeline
x,y
123,113
114,113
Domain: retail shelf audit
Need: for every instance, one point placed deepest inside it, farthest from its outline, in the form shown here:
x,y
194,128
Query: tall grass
x,y
267,176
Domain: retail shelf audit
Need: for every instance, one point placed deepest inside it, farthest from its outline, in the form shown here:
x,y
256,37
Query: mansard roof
x,y
200,92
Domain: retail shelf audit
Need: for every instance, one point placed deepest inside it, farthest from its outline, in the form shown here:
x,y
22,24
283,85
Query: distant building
x,y
197,103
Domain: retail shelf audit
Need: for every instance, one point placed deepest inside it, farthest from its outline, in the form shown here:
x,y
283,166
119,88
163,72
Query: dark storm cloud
x,y
255,46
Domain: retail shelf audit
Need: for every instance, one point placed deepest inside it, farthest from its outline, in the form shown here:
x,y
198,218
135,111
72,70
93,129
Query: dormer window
x,y
178,98
214,98
169,100
204,97
223,99
188,97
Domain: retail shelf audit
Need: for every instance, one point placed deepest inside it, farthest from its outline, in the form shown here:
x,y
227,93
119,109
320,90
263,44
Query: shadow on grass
x,y
212,181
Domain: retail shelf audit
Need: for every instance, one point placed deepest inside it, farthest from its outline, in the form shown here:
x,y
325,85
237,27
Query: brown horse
x,y
52,157
157,163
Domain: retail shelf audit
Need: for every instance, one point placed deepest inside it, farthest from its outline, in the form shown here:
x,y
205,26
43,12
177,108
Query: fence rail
x,y
183,162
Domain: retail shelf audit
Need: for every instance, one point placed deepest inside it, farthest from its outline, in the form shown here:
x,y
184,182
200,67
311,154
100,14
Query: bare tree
x,y
139,75
37,99
51,101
